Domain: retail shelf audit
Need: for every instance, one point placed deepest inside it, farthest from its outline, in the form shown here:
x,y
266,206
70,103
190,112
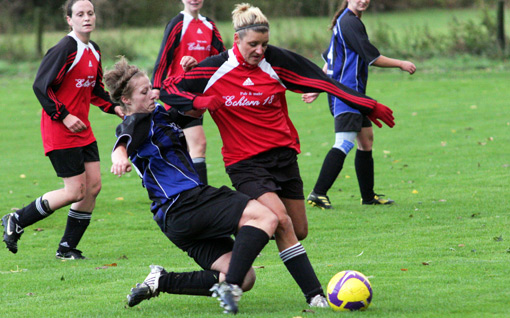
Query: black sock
x,y
201,168
331,167
35,211
247,246
189,283
77,223
364,163
299,266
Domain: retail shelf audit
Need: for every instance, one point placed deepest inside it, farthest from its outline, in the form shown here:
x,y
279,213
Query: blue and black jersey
x,y
157,148
348,57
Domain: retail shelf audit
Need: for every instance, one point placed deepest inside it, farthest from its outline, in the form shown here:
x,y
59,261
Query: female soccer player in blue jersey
x,y
68,81
197,218
347,59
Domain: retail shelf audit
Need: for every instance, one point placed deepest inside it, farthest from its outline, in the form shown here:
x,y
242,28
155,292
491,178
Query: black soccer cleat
x,y
377,200
318,200
12,232
70,255
228,296
147,289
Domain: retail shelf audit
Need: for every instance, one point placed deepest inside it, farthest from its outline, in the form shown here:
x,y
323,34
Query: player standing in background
x,y
197,218
68,81
188,34
347,60
244,90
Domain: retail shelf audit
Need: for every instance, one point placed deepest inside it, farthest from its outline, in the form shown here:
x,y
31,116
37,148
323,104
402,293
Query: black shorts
x,y
346,122
202,221
275,170
194,122
71,162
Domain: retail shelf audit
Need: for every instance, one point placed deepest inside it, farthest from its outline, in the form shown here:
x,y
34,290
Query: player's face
x,y
252,46
142,99
83,19
192,5
357,6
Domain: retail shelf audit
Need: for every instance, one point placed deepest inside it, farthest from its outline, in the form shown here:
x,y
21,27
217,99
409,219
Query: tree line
x,y
20,16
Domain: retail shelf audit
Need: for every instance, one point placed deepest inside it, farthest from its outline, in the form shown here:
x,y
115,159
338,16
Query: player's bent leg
x,y
297,212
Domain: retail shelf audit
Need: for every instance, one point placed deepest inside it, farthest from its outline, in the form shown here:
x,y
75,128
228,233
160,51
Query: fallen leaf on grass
x,y
498,238
39,229
30,294
414,191
123,257
309,310
461,245
262,266
404,269
425,263
119,199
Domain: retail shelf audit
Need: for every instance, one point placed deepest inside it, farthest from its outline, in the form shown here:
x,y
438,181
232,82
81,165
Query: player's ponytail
x,y
341,9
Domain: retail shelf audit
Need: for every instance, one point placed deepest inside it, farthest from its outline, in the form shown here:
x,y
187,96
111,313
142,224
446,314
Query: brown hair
x,y
246,17
341,9
117,80
68,7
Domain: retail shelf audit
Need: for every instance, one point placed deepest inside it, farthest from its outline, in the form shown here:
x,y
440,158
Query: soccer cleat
x,y
12,232
228,295
319,301
72,254
147,289
378,200
320,201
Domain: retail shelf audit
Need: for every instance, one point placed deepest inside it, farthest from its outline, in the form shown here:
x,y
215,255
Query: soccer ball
x,y
349,290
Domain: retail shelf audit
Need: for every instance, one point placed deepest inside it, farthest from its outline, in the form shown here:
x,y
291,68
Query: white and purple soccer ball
x,y
349,290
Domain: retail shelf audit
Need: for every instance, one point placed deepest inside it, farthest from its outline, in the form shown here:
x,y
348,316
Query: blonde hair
x,y
246,17
117,80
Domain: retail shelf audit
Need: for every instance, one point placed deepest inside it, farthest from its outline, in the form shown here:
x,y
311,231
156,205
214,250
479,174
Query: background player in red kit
x,y
188,34
244,89
68,81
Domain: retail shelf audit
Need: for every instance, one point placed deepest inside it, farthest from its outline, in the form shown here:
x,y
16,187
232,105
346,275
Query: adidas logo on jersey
x,y
199,31
248,82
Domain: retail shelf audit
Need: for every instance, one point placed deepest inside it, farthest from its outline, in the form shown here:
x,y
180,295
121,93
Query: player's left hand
x,y
408,67
188,63
309,97
383,113
119,112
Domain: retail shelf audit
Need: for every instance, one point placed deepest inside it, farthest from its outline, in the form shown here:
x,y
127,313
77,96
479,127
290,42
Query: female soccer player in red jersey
x,y
347,59
68,81
244,90
188,34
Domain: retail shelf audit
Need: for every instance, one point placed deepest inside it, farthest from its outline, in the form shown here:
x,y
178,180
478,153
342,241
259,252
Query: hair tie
x,y
253,26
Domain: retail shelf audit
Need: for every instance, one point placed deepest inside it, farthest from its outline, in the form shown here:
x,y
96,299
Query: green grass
x,y
445,163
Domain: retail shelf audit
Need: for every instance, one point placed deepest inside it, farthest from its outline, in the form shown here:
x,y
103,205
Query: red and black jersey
x,y
255,117
69,79
185,36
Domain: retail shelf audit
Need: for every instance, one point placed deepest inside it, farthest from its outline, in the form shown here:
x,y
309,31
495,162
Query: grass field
x,y
441,251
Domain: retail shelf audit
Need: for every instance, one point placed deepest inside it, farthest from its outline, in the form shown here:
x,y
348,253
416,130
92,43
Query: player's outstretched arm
x,y
120,160
406,66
